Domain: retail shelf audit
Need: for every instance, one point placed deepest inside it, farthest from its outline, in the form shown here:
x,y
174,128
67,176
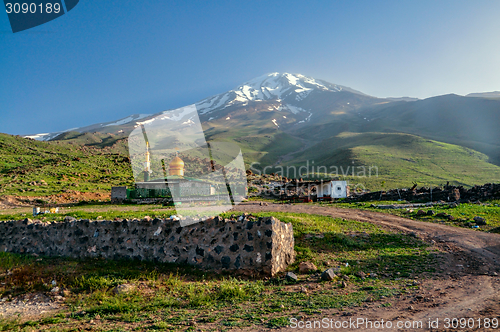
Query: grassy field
x,y
174,297
104,211
463,214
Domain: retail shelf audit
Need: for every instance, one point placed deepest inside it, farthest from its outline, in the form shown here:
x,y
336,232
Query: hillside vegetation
x,y
465,121
400,160
96,162
290,120
33,168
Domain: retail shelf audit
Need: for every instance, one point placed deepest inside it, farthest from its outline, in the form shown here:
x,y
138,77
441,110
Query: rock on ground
x,y
307,267
290,276
123,289
328,275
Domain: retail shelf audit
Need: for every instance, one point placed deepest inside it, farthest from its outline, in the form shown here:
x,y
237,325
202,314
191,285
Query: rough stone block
x,y
262,246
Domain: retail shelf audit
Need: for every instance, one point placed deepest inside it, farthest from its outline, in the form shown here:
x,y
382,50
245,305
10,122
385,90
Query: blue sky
x,y
108,59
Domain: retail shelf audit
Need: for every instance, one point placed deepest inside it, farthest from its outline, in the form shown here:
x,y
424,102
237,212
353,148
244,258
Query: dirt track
x,y
468,285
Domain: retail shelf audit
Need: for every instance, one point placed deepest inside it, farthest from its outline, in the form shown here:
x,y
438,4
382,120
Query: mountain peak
x,y
279,91
272,86
280,85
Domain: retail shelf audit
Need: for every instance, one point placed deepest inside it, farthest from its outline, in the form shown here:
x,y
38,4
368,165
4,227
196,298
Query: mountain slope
x,y
398,160
120,126
466,121
262,114
492,94
304,100
287,119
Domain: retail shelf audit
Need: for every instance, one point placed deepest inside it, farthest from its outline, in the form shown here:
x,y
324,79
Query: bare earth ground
x,y
14,202
468,286
29,306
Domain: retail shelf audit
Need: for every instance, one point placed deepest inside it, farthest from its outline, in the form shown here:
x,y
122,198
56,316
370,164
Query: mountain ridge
x,y
285,89
287,92
492,94
286,119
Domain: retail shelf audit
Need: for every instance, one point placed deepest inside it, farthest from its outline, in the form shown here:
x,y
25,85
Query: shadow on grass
x,y
395,266
338,242
21,274
495,230
392,255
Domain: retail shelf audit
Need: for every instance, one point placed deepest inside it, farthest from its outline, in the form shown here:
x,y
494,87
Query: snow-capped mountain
x,y
289,119
287,89
303,97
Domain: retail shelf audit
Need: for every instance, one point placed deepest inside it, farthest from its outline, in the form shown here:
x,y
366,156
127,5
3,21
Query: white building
x,y
333,189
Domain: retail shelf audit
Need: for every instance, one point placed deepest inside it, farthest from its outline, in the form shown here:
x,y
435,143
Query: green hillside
x,y
118,142
33,168
378,160
253,129
400,160
466,121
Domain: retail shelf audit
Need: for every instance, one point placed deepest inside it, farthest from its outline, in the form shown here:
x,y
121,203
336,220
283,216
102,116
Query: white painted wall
x,y
335,189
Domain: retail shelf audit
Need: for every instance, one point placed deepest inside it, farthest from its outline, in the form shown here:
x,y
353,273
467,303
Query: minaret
x,y
147,164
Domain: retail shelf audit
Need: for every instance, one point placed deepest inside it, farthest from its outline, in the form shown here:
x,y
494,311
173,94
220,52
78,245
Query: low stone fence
x,y
250,245
446,194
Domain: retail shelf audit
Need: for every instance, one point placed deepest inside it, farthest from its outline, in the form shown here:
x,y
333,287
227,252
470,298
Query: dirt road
x,y
467,287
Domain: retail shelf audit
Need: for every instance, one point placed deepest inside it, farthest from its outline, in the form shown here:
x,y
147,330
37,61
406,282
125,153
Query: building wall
x,y
118,194
192,188
258,246
327,189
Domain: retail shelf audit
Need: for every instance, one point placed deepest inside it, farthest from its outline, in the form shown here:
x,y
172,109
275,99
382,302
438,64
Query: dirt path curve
x,y
468,285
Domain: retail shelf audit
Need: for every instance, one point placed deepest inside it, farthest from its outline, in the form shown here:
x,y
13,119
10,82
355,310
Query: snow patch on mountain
x,y
181,113
293,109
40,137
137,124
212,102
306,119
127,120
274,86
48,136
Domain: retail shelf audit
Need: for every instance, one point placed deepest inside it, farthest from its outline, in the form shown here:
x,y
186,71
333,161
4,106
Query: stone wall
x,y
447,194
248,244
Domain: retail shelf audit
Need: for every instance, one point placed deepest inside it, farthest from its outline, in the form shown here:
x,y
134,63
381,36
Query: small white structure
x,y
333,189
